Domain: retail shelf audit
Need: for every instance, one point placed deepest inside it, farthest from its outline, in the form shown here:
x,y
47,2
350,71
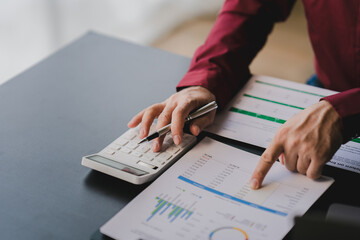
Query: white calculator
x,y
124,158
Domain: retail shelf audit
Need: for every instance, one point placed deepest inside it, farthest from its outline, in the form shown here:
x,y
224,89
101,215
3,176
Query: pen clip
x,y
202,111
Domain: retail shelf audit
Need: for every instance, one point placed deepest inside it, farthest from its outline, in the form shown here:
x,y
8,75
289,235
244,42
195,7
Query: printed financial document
x,y
264,104
205,195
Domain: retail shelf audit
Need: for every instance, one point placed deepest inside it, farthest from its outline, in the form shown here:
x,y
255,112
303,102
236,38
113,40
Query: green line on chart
x,y
292,89
267,100
252,114
277,120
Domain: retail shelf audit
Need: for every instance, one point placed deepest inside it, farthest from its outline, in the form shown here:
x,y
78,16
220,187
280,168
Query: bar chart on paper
x,y
206,195
167,209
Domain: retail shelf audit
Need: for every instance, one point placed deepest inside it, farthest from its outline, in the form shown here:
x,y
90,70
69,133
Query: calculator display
x,y
117,165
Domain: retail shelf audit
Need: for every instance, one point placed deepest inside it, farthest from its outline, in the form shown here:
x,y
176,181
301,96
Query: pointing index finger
x,y
266,161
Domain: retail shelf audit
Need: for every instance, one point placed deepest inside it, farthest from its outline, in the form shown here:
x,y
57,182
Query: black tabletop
x,y
75,103
72,104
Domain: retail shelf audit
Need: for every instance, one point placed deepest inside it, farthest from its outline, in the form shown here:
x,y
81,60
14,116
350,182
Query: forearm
x,y
347,105
240,31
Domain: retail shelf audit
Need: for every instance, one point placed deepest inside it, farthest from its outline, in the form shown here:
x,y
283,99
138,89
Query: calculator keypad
x,y
142,154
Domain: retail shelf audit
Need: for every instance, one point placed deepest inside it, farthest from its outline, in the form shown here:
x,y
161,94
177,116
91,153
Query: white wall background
x,y
32,29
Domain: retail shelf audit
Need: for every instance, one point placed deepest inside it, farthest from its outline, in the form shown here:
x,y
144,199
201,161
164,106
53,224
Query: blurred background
x,y
30,30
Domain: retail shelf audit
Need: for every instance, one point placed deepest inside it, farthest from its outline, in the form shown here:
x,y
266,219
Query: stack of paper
x,y
205,195
264,104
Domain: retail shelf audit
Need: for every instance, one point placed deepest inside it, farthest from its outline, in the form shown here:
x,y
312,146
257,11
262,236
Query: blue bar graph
x,y
172,211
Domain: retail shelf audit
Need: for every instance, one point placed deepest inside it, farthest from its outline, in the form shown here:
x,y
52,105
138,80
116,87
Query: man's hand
x,y
304,143
175,109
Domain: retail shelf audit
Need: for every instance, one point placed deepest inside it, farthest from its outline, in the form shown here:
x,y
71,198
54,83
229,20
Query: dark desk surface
x,y
72,104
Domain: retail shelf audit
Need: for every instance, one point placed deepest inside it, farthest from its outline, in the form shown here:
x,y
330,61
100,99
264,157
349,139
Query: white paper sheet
x,y
205,195
264,104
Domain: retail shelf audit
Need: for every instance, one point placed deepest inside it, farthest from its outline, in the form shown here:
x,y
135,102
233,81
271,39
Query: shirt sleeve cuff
x,y
347,105
211,80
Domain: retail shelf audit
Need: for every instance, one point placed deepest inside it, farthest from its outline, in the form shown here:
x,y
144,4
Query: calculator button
x,y
164,147
145,148
132,145
172,149
163,157
183,144
147,158
136,153
121,142
147,165
130,135
187,138
125,150
153,154
168,141
114,147
109,151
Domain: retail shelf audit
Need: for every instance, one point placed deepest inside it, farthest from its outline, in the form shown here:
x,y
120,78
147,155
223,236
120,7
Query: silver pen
x,y
199,112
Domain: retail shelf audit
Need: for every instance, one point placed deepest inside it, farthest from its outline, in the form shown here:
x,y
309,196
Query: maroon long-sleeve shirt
x,y
221,64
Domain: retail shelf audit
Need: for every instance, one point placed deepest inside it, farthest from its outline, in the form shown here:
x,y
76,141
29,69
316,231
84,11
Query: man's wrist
x,y
333,116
